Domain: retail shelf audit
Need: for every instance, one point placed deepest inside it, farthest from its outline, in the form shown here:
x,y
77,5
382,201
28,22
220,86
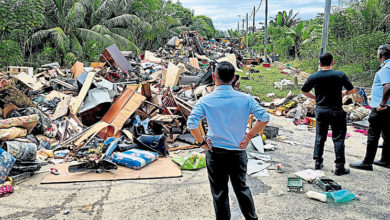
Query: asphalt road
x,y
189,197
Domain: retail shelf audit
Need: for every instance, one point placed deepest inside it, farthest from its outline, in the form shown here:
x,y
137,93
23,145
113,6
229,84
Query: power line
x,y
258,8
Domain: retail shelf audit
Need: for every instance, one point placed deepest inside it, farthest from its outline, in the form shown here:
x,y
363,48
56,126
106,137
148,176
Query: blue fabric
x,y
6,163
381,77
227,112
134,158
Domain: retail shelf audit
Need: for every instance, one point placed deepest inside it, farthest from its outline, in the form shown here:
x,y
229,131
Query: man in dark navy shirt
x,y
328,85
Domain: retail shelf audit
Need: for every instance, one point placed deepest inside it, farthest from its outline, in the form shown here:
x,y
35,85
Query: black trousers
x,y
379,123
336,118
222,165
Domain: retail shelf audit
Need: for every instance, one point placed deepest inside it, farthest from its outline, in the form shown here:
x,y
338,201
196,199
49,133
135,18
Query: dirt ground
x,y
189,197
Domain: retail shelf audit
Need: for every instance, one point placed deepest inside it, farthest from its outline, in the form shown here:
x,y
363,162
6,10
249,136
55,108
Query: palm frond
x,y
124,43
76,15
89,35
56,34
125,20
101,29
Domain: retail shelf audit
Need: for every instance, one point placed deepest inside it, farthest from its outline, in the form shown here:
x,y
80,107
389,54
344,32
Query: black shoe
x,y
318,165
340,170
361,166
382,163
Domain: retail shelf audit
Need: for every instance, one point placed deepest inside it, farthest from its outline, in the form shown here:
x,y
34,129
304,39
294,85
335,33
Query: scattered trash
x,y
310,175
294,184
194,161
341,196
316,196
327,184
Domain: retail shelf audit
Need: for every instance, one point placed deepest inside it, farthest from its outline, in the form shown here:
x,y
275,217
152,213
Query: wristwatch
x,y
383,106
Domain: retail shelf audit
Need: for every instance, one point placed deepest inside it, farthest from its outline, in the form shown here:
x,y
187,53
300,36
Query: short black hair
x,y
326,59
225,72
384,51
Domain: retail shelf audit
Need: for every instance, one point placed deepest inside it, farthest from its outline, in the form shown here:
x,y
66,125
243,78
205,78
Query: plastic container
x,y
294,184
266,65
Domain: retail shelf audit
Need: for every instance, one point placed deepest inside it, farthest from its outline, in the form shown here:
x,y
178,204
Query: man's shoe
x,y
340,170
382,163
361,166
318,165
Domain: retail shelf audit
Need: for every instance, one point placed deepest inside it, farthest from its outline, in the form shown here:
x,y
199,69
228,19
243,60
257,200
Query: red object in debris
x,y
362,131
266,65
142,56
6,190
330,134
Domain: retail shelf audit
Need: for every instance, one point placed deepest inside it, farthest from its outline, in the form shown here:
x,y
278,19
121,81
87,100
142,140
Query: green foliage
x,y
69,30
9,53
263,83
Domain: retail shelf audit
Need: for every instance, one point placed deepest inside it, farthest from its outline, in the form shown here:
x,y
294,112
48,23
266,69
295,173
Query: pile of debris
x,y
302,109
122,110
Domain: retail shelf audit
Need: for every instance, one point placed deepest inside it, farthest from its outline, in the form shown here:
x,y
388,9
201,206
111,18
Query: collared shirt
x,y
381,78
227,112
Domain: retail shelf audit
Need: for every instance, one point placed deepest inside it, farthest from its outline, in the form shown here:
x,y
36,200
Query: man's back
x,y
328,85
227,111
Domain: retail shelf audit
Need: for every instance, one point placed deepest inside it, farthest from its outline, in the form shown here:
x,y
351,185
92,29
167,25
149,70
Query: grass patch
x,y
263,83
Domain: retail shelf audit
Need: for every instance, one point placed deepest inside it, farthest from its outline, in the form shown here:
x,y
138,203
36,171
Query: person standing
x,y
328,85
379,120
227,112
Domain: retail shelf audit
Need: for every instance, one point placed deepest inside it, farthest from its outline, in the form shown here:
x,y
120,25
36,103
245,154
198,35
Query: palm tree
x,y
71,23
284,19
302,34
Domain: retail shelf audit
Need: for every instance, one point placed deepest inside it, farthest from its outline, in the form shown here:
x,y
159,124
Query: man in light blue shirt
x,y
380,116
227,112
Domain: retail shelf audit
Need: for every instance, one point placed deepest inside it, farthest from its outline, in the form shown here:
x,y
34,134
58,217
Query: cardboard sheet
x,y
172,77
161,168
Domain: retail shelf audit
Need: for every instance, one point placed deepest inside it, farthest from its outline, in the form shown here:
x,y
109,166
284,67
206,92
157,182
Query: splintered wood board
x,y
161,168
128,109
75,105
172,77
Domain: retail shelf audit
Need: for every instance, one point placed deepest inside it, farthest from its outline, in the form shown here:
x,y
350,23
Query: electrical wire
x,y
258,8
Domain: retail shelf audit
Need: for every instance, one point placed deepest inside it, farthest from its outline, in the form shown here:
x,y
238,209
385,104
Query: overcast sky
x,y
225,12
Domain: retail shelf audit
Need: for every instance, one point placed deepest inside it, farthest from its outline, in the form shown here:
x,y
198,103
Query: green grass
x,y
263,83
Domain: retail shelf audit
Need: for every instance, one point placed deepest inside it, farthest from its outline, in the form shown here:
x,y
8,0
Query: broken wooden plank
x,y
194,63
77,69
172,77
65,84
62,108
128,109
94,129
75,105
29,81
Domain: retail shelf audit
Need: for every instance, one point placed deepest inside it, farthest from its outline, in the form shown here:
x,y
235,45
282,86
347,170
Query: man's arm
x,y
348,86
262,119
385,97
307,87
309,95
259,126
193,123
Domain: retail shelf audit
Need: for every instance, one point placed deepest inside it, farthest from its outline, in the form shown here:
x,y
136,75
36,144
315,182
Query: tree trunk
x,y
296,51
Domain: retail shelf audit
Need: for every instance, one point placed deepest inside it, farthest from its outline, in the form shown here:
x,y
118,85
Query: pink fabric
x,y
6,190
346,136
362,131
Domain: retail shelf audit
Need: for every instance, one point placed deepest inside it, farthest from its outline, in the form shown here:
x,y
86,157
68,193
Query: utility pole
x,y
254,26
325,28
238,27
266,31
247,40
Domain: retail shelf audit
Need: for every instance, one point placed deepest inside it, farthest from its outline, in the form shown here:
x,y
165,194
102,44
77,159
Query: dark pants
x,y
336,118
222,165
379,123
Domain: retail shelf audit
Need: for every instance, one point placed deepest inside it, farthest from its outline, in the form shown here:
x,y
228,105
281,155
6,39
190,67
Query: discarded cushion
x,y
134,158
341,196
6,163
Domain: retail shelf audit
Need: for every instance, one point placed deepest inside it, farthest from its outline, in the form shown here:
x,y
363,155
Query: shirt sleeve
x,y
346,83
196,115
259,112
384,76
309,85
